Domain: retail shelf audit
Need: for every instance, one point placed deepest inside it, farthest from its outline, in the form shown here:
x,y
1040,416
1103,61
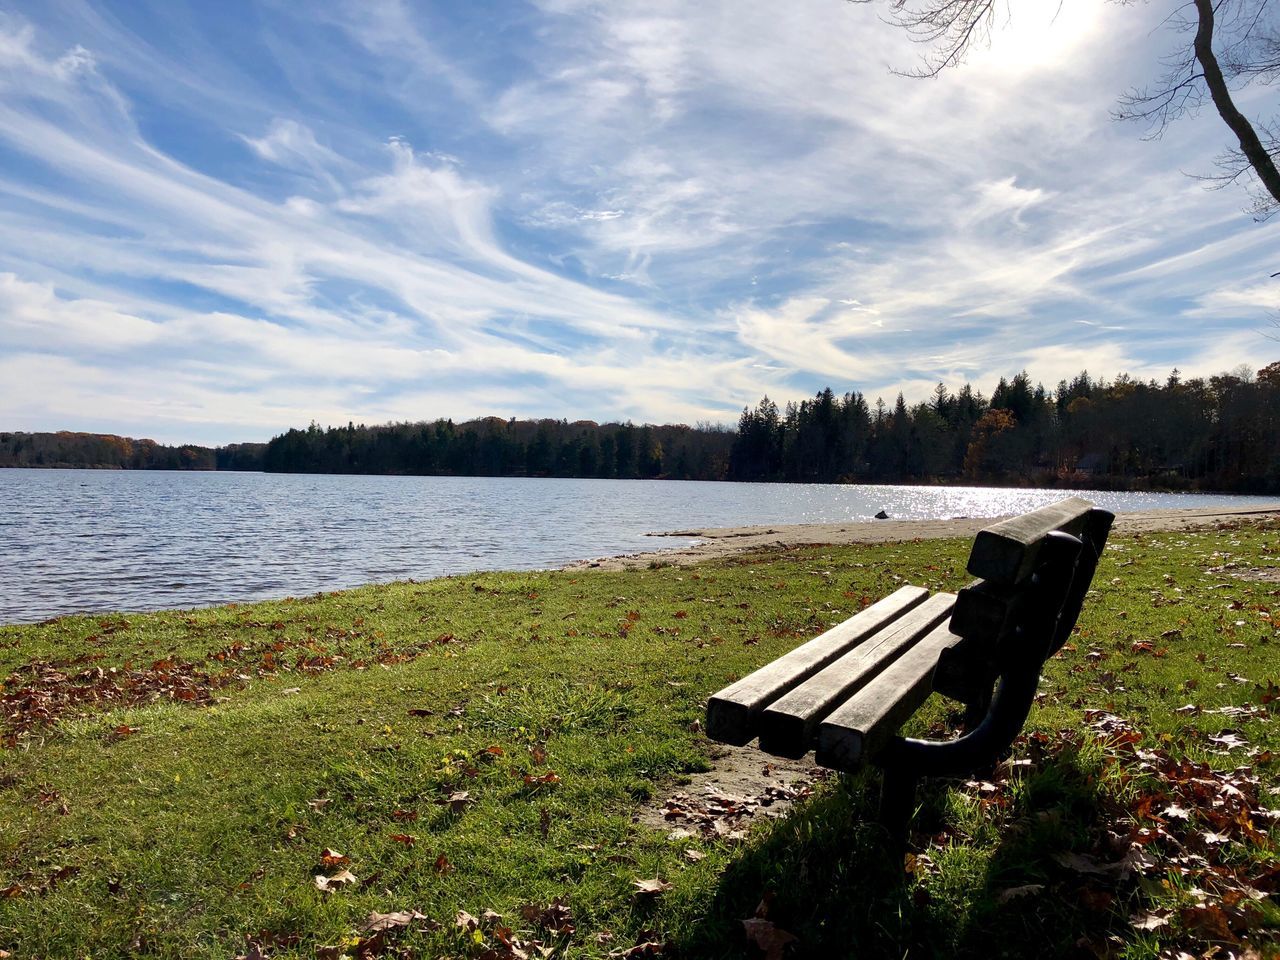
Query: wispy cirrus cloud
x,y
655,211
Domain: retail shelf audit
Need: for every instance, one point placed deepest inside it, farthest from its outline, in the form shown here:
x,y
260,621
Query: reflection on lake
x,y
81,540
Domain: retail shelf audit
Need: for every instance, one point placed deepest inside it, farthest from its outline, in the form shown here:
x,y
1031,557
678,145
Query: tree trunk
x,y
1250,145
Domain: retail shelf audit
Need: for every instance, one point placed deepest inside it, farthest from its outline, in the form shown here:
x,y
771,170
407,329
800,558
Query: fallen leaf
x,y
407,839
770,939
1081,863
555,916
1209,922
1151,920
332,858
1229,740
651,887
335,883
378,922
1014,893
648,948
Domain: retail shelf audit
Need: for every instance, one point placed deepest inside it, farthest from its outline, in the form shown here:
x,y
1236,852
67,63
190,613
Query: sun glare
x,y
1031,37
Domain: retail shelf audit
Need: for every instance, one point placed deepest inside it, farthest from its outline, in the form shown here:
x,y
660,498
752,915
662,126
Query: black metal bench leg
x,y
897,805
976,709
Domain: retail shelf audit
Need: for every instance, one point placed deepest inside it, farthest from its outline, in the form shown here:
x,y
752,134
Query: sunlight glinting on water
x,y
83,540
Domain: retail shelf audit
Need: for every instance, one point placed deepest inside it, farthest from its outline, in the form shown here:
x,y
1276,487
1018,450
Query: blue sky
x,y
218,221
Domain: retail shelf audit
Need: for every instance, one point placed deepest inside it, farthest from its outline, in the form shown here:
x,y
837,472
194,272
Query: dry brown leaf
x,y
769,938
648,948
1082,863
1151,920
1209,922
555,916
651,887
1014,893
378,922
332,884
332,858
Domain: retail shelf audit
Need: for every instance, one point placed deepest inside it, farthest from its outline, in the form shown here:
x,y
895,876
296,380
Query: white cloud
x,y
647,209
35,317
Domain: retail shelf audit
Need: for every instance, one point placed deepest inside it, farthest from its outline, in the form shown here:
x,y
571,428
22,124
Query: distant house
x,y
1092,464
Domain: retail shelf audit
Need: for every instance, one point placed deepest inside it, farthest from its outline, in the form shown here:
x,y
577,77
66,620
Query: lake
x,y
86,540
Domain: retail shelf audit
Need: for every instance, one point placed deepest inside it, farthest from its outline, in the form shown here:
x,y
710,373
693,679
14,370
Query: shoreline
x,y
718,542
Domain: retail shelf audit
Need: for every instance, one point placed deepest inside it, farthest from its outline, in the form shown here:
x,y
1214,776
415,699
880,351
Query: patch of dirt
x,y
1257,574
742,784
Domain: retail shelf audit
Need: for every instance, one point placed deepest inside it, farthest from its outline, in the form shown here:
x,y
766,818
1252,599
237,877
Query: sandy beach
x,y
723,541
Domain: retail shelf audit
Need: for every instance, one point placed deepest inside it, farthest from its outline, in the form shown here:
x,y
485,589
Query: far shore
x,y
715,542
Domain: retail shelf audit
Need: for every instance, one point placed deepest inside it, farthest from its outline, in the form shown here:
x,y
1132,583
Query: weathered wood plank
x,y
732,713
964,669
788,725
857,730
1005,552
984,610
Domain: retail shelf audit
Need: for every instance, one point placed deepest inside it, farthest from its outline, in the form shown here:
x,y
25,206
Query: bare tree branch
x,y
1251,146
1232,42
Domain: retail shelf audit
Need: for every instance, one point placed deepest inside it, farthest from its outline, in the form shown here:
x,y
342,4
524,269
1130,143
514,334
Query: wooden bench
x,y
845,694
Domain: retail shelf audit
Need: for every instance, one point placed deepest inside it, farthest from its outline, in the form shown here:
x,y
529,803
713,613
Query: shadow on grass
x,y
833,883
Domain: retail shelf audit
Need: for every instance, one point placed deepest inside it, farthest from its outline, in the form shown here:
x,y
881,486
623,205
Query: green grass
x,y
179,807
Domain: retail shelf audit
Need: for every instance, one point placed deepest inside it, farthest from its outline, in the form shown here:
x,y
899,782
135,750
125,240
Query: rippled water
x,y
77,540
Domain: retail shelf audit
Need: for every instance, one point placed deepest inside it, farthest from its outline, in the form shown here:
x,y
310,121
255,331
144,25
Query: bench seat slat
x,y
858,729
789,724
732,713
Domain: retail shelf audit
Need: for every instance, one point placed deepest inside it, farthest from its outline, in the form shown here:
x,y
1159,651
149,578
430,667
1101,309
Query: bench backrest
x,y
1029,596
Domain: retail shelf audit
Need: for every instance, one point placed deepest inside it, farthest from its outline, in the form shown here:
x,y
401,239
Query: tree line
x,y
1220,433
493,447
105,451
1215,433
